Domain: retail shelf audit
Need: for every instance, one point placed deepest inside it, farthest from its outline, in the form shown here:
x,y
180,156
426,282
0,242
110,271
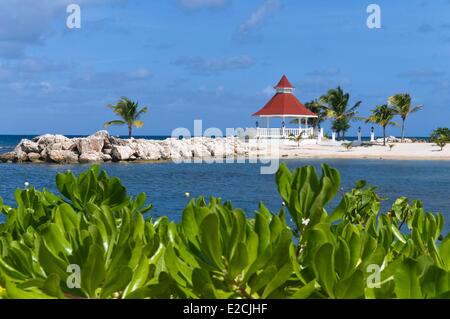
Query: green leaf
x,y
239,261
116,281
278,280
210,239
52,286
407,284
351,287
13,292
305,291
324,268
93,273
284,179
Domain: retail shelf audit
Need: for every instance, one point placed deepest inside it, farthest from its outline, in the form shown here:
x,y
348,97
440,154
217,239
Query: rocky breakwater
x,y
102,147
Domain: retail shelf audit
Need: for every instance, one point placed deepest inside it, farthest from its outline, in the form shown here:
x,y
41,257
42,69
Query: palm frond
x,y
138,123
416,108
116,122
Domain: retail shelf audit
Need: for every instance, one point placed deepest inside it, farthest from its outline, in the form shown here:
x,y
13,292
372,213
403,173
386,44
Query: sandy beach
x,y
400,151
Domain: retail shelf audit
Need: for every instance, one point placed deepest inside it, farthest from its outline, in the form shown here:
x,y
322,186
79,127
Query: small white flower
x,y
305,221
187,194
26,184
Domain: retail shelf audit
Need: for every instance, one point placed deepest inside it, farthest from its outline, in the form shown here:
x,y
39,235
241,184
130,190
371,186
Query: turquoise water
x,y
166,183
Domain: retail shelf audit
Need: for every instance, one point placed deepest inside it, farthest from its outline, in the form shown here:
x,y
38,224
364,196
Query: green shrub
x,y
215,250
440,136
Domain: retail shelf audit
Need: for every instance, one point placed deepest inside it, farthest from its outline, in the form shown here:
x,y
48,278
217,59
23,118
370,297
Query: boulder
x,y
106,157
91,144
44,155
122,153
103,134
146,149
34,157
62,156
8,157
21,156
47,139
90,157
115,141
28,146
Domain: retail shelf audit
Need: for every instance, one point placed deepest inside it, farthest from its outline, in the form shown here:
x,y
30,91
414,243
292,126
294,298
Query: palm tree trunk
x,y
403,130
384,135
129,131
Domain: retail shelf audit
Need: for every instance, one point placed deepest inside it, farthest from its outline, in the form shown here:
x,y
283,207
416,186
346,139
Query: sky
x,y
215,60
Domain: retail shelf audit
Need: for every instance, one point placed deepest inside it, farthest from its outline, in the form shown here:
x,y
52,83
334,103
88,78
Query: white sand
x,y
401,151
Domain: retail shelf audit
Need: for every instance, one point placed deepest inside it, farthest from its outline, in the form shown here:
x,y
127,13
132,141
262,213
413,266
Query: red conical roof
x,y
284,83
285,104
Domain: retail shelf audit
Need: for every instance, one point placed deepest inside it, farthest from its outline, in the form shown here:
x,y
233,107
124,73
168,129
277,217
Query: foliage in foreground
x,y
215,251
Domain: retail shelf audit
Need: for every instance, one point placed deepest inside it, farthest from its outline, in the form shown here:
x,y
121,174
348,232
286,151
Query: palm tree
x,y
402,105
129,112
297,138
382,115
336,104
316,107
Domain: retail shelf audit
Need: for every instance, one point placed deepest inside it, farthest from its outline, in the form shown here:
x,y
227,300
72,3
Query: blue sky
x,y
214,60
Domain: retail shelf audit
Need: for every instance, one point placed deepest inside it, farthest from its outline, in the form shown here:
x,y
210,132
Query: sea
x,y
166,184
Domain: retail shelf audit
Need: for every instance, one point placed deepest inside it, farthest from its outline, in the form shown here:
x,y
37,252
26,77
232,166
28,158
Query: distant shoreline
x,y
102,147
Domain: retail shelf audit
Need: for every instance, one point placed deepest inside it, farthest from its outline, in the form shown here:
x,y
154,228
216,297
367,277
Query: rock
x,y
21,156
91,144
118,142
28,146
103,147
146,149
62,156
104,135
8,157
44,155
106,157
34,157
90,157
121,153
47,139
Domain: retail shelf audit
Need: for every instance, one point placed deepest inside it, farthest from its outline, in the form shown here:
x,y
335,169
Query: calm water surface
x,y
166,183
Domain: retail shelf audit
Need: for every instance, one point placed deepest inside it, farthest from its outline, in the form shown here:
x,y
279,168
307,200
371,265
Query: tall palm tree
x,y
316,107
336,104
130,113
402,104
382,115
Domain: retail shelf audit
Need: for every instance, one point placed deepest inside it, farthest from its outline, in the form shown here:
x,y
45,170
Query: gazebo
x,y
284,105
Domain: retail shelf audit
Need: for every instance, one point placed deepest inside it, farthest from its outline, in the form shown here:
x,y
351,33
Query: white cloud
x,y
28,22
259,16
268,91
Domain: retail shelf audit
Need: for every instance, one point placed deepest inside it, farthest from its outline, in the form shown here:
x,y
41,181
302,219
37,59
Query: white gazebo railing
x,y
284,132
